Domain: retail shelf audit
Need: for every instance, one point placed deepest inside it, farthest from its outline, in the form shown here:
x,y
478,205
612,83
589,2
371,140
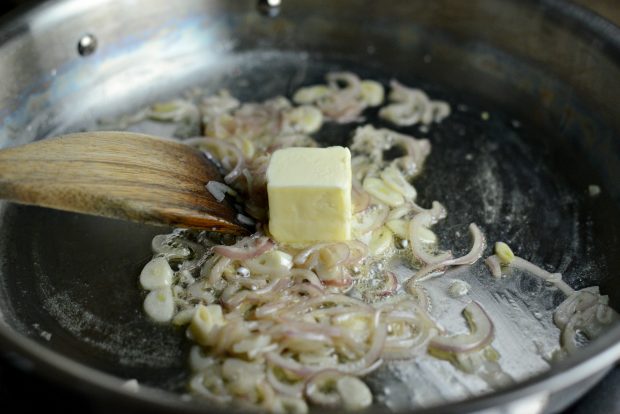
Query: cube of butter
x,y
309,192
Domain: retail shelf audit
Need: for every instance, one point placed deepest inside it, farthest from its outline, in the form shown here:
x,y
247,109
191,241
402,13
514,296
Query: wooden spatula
x,y
118,174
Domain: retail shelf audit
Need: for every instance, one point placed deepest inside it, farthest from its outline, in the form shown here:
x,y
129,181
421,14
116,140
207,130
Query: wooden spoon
x,y
118,174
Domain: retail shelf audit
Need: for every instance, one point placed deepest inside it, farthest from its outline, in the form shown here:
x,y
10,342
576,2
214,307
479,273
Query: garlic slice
x,y
159,304
156,274
310,94
394,179
381,240
305,119
378,189
372,92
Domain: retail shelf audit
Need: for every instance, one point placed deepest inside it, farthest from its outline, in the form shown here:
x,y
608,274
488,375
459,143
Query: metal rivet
x,y
87,45
269,8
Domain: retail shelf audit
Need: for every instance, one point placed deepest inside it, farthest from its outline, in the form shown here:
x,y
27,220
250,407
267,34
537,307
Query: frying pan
x,y
533,86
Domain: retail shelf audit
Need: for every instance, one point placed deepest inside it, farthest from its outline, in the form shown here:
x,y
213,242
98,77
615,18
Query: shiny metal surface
x,y
552,67
87,45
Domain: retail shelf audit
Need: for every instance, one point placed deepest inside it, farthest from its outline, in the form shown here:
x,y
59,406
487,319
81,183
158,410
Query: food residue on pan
x,y
281,327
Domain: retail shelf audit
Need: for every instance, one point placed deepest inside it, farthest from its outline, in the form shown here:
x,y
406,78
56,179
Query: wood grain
x,y
117,174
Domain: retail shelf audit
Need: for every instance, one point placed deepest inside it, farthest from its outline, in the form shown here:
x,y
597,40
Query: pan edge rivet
x,y
87,45
269,8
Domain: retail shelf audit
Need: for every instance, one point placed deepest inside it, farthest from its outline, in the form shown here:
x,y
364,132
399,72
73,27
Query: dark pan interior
x,y
69,281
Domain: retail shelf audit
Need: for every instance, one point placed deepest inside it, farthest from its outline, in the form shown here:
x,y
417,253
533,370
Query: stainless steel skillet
x,y
546,73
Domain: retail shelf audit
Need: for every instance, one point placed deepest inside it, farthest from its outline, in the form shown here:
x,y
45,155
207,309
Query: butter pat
x,y
309,192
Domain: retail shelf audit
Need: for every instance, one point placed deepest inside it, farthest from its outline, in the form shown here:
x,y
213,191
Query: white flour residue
x,y
491,188
120,340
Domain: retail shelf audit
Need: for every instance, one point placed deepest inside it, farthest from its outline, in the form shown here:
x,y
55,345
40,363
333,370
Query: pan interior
x,y
74,285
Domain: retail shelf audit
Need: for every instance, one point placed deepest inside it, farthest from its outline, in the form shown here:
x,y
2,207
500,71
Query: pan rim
x,y
596,358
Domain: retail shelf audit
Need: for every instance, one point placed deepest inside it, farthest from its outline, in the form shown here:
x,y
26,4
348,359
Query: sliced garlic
x,y
277,258
205,319
399,212
504,252
275,262
400,114
378,189
199,360
184,317
372,92
369,219
361,167
381,240
356,326
310,94
247,148
159,304
420,236
156,274
305,119
354,393
252,346
394,179
399,227
242,377
424,234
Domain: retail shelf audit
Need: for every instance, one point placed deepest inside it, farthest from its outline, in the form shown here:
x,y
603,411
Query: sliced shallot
x,y
370,219
478,244
481,333
330,388
420,223
247,248
359,198
494,265
293,389
555,278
